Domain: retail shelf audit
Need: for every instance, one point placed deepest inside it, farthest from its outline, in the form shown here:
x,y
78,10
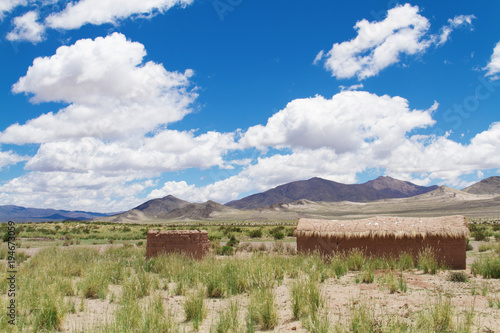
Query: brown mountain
x,y
489,186
318,189
195,211
150,209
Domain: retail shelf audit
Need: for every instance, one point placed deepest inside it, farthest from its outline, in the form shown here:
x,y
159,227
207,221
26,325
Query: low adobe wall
x,y
449,251
191,242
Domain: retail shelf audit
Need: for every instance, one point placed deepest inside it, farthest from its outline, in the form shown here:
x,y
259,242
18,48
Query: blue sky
x,y
105,104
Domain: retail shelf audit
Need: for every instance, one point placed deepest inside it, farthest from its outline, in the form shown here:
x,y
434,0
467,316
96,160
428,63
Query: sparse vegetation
x,y
243,292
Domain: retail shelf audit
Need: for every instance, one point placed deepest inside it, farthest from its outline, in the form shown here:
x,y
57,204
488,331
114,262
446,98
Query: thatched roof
x,y
385,227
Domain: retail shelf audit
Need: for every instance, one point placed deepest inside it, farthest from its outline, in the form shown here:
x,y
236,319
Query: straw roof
x,y
385,227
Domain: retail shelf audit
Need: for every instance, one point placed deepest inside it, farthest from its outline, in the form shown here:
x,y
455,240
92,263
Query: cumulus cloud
x,y
108,85
457,22
97,12
28,28
493,67
10,158
7,5
78,191
113,138
167,151
346,122
380,44
219,191
419,158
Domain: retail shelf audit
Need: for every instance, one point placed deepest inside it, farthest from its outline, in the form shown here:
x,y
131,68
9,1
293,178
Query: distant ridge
x,y
318,189
23,214
489,186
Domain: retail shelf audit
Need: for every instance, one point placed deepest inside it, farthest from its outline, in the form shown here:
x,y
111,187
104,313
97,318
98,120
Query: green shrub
x,y
368,274
306,297
479,235
194,308
262,310
485,247
278,235
487,266
362,319
427,261
226,250
406,262
233,241
255,233
339,266
228,320
355,260
438,318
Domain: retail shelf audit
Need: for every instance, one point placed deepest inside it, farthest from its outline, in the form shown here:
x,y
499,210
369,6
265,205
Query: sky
x,y
105,104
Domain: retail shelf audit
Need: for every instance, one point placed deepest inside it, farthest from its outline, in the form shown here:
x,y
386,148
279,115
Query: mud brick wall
x,y
448,251
191,242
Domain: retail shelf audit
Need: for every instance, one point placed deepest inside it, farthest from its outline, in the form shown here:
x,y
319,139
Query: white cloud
x,y
353,87
10,158
220,191
7,5
457,22
108,86
420,159
379,44
347,122
97,12
74,191
167,151
101,151
27,28
493,67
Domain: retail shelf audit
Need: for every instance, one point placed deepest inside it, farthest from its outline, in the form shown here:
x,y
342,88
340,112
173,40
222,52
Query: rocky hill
x,y
490,186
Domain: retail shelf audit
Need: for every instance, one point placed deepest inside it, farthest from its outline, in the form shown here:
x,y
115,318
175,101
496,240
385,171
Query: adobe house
x,y
388,236
191,242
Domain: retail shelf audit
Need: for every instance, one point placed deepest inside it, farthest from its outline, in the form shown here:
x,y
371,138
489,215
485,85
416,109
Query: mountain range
x,y
304,195
22,214
318,189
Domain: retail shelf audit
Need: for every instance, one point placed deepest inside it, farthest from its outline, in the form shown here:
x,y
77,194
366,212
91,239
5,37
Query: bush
x,y
469,246
457,277
228,320
226,250
487,266
262,310
479,235
256,233
355,260
195,309
427,261
484,247
233,241
278,235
